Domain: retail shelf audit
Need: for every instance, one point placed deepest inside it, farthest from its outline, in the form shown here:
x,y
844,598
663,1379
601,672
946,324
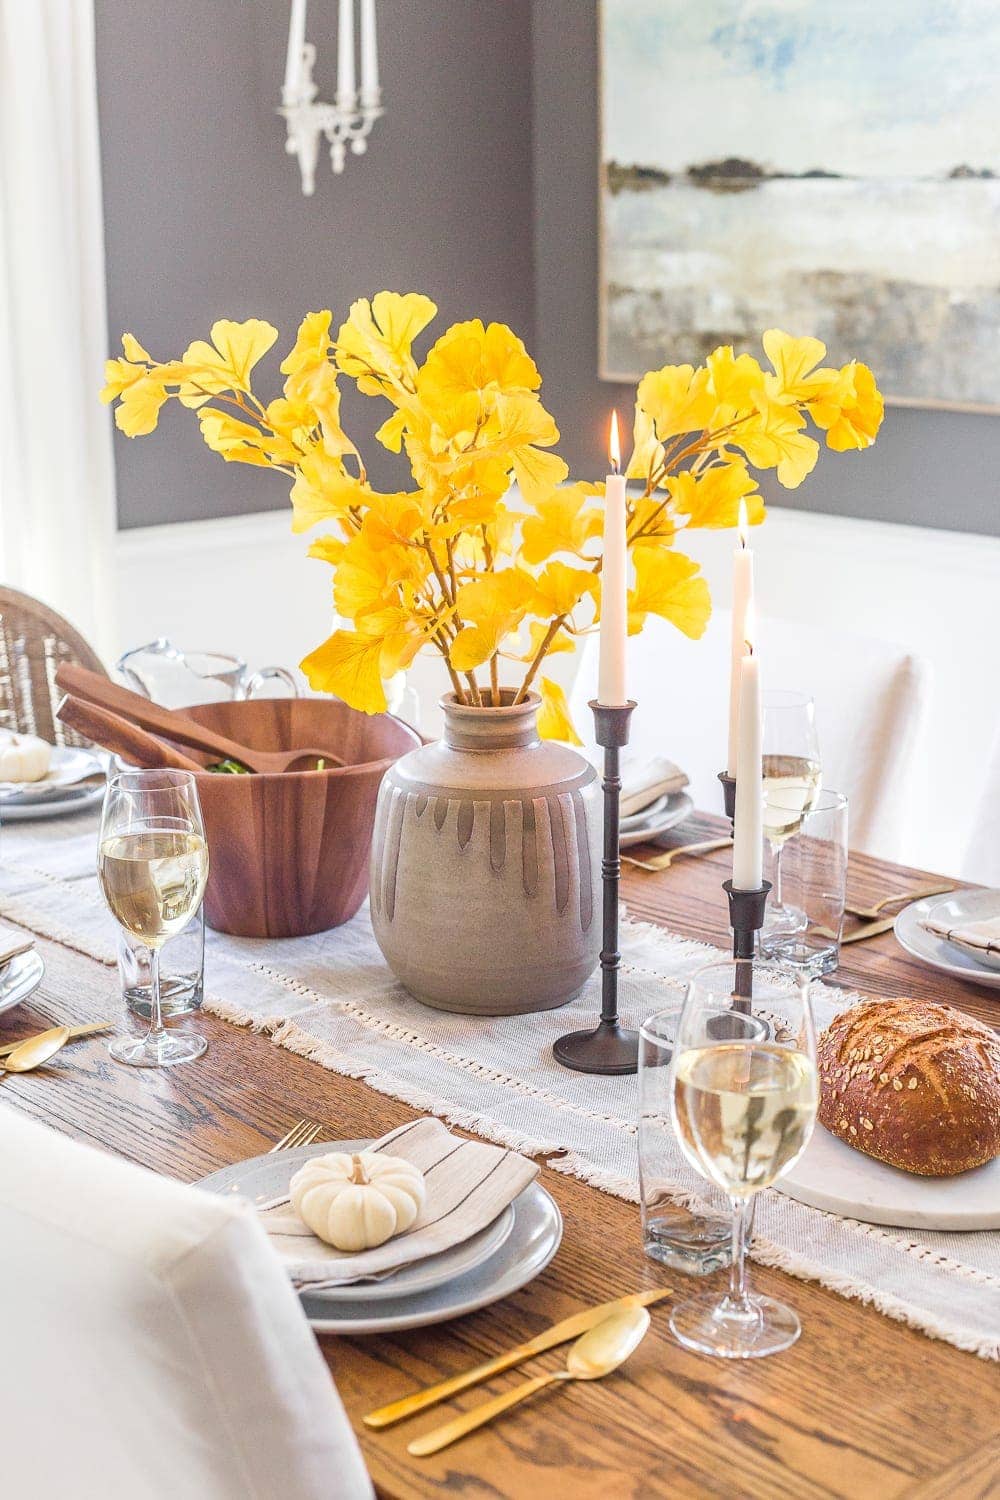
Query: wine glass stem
x,y
776,901
738,1301
155,1011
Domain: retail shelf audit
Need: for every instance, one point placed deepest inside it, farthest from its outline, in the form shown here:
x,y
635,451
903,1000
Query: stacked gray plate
x,y
657,818
485,1268
75,780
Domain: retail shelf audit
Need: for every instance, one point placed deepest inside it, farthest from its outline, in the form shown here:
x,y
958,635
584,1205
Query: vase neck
x,y
509,727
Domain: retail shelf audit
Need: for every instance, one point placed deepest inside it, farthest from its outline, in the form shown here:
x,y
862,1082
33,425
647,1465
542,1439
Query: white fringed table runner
x,y
332,998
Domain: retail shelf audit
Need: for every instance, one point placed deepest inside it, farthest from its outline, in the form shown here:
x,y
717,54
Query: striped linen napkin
x,y
469,1184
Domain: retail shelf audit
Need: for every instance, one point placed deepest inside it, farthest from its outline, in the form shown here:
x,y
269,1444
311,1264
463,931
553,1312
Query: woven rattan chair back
x,y
34,642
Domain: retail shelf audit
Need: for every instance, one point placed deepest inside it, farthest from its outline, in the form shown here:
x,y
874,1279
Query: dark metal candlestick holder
x,y
729,795
746,918
609,1048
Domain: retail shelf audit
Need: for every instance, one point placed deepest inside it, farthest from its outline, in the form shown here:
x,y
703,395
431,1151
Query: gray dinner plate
x,y
53,805
955,908
19,978
488,1266
653,821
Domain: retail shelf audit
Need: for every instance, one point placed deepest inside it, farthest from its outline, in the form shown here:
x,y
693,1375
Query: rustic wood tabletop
x,y
861,1407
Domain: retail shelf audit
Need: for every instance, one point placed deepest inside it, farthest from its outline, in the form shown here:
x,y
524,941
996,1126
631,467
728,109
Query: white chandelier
x,y
348,121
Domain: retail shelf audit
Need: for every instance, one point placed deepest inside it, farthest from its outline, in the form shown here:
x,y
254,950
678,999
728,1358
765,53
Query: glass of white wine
x,y
792,767
153,863
744,1107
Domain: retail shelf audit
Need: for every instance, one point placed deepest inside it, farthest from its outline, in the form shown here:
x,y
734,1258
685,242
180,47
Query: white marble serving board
x,y
833,1176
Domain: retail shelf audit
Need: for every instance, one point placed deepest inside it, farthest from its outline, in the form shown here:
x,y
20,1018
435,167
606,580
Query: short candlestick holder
x,y
609,1048
729,796
746,918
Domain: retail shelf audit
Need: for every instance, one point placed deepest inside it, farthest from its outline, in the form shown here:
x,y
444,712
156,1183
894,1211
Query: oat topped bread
x,y
914,1084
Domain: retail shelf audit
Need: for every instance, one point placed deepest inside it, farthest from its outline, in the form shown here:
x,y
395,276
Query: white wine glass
x,y
792,767
153,863
743,1105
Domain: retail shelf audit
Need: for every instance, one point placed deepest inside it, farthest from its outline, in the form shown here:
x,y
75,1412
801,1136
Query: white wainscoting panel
x,y
245,585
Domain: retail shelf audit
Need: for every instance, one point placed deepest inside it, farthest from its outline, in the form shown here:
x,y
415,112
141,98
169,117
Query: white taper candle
x,y
369,55
748,825
345,53
742,603
293,57
614,583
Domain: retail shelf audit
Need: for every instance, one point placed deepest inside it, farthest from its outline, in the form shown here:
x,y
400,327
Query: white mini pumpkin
x,y
357,1202
23,757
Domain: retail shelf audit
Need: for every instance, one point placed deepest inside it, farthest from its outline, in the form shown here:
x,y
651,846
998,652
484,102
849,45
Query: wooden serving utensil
x,y
174,725
122,737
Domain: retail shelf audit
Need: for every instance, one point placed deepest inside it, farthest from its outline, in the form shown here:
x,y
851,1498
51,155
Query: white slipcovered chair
x,y
152,1347
871,706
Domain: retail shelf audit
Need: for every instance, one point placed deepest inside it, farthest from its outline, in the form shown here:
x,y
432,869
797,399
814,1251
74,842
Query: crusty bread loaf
x,y
916,1085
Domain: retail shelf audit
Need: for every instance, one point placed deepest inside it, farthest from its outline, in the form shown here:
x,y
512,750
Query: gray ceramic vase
x,y
486,865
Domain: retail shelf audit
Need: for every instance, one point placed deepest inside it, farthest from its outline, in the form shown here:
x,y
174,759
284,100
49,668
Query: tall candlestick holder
x,y
746,918
729,796
609,1047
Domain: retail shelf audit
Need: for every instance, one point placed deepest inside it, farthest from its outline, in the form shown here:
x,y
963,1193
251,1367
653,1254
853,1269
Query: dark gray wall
x,y
491,126
205,217
931,468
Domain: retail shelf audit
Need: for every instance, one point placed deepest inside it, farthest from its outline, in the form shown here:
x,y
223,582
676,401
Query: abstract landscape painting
x,y
754,174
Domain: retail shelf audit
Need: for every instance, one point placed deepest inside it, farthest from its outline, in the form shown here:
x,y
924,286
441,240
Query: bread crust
x,y
912,1083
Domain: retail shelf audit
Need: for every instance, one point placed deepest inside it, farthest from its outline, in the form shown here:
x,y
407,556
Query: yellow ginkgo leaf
x,y
774,440
669,584
554,720
538,473
559,589
678,399
793,358
647,452
134,350
494,607
563,522
390,434
852,411
312,344
537,631
469,357
374,344
329,549
118,376
368,578
241,442
712,498
225,364
735,381
139,409
323,490
348,665
473,645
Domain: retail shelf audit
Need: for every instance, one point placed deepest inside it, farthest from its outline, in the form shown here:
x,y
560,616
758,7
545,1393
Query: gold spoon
x,y
35,1051
596,1353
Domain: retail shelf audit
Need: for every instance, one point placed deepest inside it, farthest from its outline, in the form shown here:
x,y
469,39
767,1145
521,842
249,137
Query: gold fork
x,y
301,1134
664,861
880,906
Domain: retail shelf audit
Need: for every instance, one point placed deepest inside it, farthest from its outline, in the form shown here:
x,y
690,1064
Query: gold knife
x,y
868,930
559,1333
74,1032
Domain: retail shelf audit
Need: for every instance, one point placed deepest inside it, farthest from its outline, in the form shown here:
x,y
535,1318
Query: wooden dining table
x,y
862,1406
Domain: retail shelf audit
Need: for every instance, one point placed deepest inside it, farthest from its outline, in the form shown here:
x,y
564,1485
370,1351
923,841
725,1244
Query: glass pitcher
x,y
176,678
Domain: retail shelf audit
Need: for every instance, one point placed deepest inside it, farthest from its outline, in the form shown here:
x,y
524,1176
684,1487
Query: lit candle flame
x,y
614,445
749,627
743,525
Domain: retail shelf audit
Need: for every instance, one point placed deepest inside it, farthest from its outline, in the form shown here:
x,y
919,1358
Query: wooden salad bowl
x,y
288,853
